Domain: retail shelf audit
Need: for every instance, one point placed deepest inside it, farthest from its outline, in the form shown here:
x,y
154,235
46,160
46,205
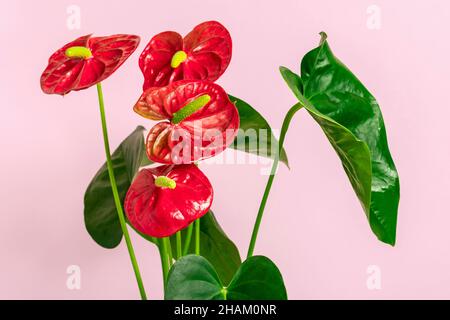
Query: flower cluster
x,y
196,119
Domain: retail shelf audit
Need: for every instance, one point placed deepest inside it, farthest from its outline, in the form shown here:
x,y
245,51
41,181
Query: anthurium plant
x,y
153,183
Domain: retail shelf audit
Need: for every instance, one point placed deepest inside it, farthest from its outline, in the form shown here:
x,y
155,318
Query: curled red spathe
x,y
204,134
159,211
208,48
64,74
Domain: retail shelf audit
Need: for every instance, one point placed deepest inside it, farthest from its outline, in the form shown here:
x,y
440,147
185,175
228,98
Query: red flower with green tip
x,y
166,199
85,62
201,121
203,54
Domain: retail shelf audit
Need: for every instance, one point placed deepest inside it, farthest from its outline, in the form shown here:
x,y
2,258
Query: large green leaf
x,y
215,246
100,215
258,278
255,136
352,121
194,278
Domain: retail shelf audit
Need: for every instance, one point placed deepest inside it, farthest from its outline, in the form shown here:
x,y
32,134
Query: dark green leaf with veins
x,y
352,121
255,135
194,278
100,214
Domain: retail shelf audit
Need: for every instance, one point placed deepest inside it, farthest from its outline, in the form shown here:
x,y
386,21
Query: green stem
x,y
115,192
179,252
187,242
197,237
162,244
169,251
284,129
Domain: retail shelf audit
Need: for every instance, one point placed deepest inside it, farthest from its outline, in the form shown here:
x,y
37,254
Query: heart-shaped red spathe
x,y
160,211
208,48
64,74
202,135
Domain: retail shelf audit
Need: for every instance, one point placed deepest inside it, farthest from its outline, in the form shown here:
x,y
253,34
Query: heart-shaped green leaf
x,y
255,135
258,278
194,278
100,215
215,246
352,121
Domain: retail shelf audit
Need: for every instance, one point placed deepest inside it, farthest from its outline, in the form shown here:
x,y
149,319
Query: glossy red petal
x,y
208,47
152,103
161,212
113,51
64,74
157,144
205,133
156,57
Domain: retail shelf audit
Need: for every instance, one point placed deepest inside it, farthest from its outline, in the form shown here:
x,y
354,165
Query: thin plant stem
x,y
169,251
197,237
284,129
179,251
162,245
187,241
115,192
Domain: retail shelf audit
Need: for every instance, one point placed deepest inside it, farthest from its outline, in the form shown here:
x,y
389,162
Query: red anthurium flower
x,y
86,62
203,54
201,121
166,199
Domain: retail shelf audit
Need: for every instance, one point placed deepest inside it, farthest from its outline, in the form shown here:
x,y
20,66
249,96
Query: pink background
x,y
314,228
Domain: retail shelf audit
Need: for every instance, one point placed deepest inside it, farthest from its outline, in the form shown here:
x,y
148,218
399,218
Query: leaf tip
x,y
285,72
389,239
323,37
284,159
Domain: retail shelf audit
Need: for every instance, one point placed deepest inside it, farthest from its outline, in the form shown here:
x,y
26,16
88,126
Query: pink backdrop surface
x,y
314,227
